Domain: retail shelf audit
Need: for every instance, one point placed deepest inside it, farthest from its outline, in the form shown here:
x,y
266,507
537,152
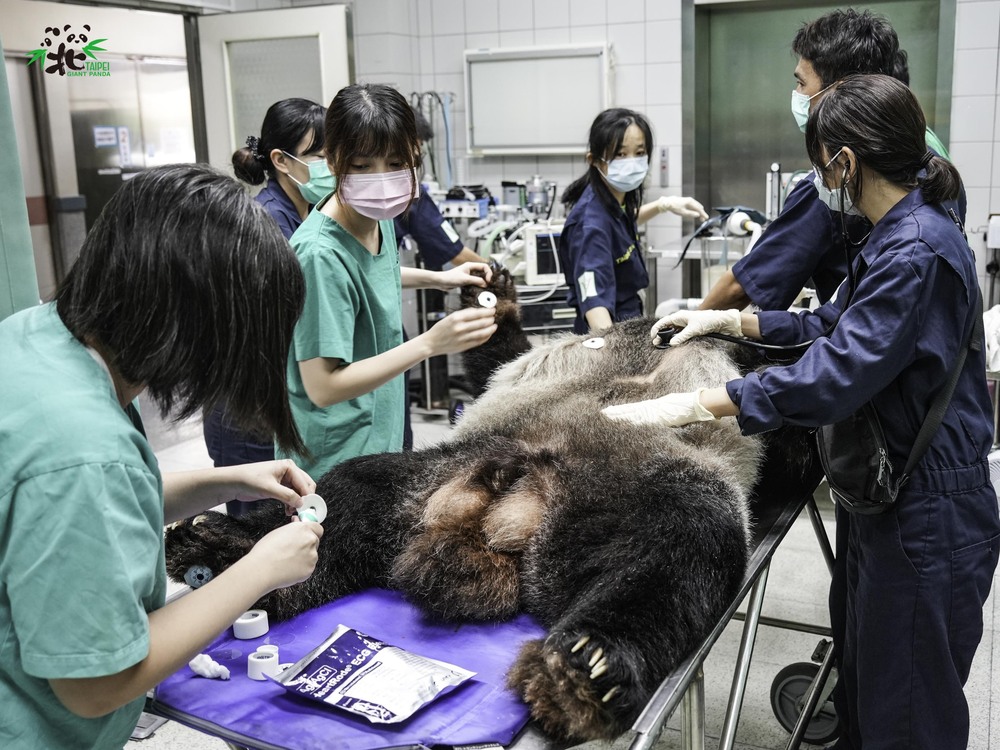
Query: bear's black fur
x,y
626,541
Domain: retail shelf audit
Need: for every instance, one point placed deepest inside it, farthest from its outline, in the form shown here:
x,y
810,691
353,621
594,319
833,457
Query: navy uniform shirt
x,y
437,240
894,346
600,258
805,241
277,203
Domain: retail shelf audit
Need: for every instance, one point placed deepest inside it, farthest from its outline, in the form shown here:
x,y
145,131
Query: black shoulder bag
x,y
854,454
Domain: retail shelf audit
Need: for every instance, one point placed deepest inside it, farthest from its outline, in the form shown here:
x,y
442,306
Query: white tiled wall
x,y
417,45
645,40
975,114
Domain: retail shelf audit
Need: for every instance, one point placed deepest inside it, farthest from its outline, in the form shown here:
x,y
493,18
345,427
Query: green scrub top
x,y
81,519
934,143
353,311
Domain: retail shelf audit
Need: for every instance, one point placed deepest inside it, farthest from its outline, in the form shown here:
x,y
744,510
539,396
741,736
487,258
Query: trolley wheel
x,y
788,694
455,411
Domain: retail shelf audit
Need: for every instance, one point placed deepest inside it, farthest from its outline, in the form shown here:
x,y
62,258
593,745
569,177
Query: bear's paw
x,y
577,688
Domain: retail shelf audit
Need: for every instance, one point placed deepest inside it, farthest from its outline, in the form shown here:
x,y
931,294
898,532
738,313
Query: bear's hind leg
x,y
463,563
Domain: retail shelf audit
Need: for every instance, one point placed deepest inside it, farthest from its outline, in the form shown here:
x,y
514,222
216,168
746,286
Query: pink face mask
x,y
379,196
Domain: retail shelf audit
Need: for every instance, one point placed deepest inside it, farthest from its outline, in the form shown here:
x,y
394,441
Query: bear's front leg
x,y
372,502
200,548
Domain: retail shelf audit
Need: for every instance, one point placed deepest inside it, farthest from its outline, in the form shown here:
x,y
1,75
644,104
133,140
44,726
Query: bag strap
x,y
973,340
935,414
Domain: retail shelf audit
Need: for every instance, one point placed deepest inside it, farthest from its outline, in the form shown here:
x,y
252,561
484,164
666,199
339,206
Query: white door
x,y
251,60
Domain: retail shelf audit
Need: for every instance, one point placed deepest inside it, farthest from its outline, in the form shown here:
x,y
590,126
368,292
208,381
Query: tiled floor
x,y
796,590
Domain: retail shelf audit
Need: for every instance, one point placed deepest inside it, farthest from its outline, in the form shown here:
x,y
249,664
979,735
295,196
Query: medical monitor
x,y
541,261
534,100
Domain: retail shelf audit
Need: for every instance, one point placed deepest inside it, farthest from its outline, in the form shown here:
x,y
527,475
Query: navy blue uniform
x,y
600,258
915,578
437,240
227,444
804,242
280,207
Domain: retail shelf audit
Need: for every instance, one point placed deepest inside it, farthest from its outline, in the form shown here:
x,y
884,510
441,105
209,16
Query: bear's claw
x,y
574,691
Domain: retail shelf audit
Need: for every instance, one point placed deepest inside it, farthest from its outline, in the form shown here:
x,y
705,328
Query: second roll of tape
x,y
252,624
261,664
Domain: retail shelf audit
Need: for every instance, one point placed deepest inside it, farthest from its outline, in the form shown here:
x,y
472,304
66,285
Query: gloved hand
x,y
688,208
698,323
672,410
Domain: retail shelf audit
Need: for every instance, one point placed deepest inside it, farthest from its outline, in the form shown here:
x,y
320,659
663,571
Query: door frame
x,y
207,37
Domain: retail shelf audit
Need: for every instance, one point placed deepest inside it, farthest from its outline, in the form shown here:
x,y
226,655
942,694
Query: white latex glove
x,y
698,323
672,410
688,208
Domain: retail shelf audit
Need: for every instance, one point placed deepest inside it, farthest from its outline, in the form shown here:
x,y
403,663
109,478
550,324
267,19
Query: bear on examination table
x,y
625,541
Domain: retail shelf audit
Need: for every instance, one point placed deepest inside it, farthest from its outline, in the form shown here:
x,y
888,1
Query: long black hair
x,y
607,133
370,120
187,286
845,42
879,118
285,124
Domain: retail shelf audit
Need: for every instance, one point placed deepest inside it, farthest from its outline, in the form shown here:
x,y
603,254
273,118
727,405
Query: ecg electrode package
x,y
360,674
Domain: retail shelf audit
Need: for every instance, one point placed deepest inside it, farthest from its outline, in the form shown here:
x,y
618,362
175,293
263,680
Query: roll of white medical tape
x,y
252,624
260,664
313,508
269,648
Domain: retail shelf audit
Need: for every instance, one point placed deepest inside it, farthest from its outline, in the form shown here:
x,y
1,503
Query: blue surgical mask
x,y
626,174
832,198
800,107
321,182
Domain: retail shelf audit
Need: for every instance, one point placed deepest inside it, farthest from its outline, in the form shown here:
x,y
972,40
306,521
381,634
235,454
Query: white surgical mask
x,y
832,198
626,174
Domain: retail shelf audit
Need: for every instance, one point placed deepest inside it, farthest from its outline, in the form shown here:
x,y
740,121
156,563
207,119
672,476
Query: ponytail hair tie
x,y
252,143
926,159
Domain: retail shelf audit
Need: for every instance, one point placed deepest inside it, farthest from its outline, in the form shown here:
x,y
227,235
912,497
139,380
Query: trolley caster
x,y
455,411
788,692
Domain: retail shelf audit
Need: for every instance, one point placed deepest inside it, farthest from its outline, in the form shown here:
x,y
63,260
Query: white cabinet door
x,y
251,60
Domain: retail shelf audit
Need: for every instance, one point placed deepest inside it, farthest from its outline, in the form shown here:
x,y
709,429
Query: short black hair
x,y
879,118
188,287
844,42
901,70
370,120
285,124
607,133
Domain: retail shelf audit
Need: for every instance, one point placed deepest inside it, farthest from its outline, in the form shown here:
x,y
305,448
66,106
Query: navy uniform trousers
x,y
926,567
